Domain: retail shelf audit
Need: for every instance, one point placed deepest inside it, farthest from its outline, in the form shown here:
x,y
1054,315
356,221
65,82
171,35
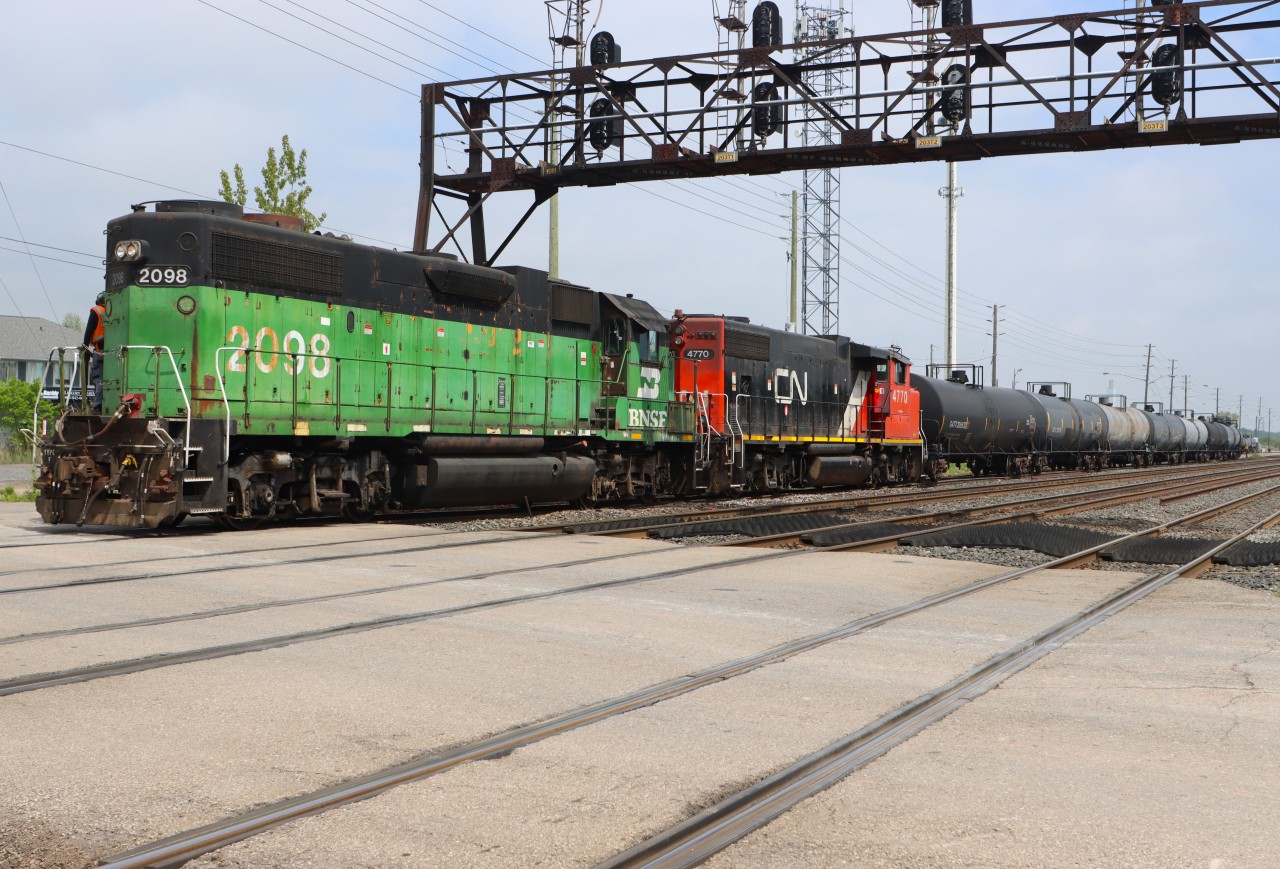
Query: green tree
x,y
17,401
284,187
73,321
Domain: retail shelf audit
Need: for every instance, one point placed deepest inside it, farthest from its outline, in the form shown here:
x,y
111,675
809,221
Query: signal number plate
x,y
166,276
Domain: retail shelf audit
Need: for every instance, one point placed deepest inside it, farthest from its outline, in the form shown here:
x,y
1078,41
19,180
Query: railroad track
x,y
643,525
710,831
34,682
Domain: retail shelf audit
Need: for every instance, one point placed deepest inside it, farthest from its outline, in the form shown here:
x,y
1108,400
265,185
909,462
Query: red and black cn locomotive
x,y
777,409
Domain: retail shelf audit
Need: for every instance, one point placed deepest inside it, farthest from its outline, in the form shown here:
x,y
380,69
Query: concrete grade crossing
x,y
1147,741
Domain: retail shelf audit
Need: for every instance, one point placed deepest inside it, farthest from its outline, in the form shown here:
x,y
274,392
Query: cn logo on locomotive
x,y
789,386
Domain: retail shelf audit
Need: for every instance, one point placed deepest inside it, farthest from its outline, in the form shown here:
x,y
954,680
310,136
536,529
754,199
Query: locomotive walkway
x,y
1143,741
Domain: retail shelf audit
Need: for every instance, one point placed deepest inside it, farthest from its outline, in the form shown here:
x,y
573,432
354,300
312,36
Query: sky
x,y
1091,257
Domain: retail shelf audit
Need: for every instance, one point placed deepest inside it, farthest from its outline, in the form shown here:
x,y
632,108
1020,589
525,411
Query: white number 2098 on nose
x,y
168,276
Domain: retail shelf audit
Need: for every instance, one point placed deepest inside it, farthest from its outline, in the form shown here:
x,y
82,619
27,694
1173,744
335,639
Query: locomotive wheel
x,y
172,521
235,523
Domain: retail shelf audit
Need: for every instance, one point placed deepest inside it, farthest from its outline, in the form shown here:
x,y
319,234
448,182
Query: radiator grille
x,y
237,259
745,345
572,304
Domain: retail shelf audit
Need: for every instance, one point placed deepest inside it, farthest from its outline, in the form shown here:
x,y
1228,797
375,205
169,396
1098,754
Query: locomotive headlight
x,y
130,251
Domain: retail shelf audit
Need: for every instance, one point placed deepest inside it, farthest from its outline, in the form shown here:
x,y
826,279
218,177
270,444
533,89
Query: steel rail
x,y
1105,496
697,839
75,675
176,850
240,609
873,501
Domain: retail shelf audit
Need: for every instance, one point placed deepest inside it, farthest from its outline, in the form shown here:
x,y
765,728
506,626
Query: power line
x,y
483,33
425,39
50,247
22,236
54,259
307,48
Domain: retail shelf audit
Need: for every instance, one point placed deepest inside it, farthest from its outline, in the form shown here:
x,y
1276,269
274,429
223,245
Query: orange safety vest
x,y
101,330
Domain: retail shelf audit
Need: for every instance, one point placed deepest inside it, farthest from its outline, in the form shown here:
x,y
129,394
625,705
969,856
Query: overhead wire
x,y
23,238
53,259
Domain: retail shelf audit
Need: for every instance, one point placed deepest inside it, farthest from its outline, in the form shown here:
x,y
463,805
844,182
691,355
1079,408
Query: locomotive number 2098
x,y
165,276
267,350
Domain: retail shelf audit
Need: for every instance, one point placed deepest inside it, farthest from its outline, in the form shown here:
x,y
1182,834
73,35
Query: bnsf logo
x,y
638,418
699,354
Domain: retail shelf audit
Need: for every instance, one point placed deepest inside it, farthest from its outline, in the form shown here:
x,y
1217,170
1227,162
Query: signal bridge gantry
x,y
1173,74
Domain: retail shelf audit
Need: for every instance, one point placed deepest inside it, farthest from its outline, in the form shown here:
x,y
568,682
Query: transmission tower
x,y
820,191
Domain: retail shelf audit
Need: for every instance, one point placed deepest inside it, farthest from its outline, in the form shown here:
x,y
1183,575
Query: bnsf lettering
x,y
638,418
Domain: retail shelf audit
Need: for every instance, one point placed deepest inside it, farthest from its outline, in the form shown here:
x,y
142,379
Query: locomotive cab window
x,y
615,338
882,371
899,371
647,341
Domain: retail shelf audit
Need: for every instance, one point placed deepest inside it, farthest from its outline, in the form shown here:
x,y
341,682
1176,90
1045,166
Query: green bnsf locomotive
x,y
255,371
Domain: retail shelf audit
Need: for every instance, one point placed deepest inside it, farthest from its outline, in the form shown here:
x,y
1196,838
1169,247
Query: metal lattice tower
x,y
731,31
820,190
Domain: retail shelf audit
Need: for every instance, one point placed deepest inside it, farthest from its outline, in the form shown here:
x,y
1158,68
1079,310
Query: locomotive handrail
x,y
509,412
64,393
226,404
177,376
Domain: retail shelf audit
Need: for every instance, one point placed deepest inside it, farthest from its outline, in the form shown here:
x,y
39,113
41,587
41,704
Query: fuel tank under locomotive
x,y
473,481
468,471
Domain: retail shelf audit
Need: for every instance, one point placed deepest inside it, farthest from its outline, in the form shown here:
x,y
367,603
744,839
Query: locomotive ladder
x,y
195,485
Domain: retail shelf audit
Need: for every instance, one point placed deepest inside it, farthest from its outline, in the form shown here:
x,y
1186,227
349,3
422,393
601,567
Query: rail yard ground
x,y
1147,741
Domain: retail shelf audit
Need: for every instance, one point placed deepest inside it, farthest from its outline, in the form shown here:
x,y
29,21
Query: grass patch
x,y
10,495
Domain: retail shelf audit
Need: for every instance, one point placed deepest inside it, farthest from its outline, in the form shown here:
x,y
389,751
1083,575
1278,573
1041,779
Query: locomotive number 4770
x,y
267,351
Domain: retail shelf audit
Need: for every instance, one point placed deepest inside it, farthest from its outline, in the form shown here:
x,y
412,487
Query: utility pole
x,y
1185,379
952,193
795,256
1240,412
1016,372
1172,379
1217,396
563,35
1257,422
1146,383
995,342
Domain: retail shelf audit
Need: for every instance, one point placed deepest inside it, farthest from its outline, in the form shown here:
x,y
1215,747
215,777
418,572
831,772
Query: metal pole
x,y
1217,399
995,342
1185,378
1146,384
1172,379
1240,412
952,193
795,256
553,239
